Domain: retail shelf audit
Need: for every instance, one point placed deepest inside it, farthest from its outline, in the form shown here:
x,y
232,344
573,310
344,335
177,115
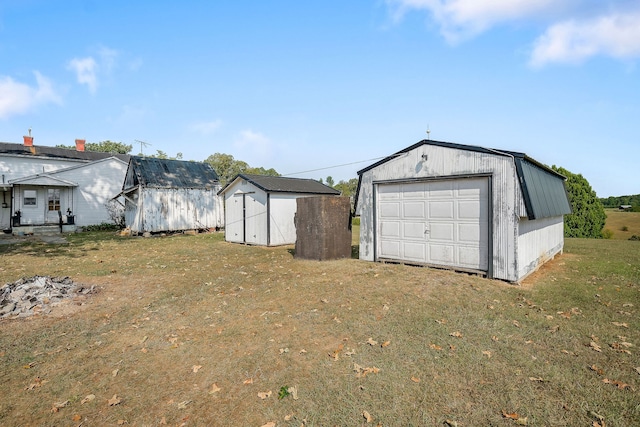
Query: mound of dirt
x,y
37,295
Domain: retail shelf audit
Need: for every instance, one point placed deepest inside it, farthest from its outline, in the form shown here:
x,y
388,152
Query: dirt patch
x,y
550,269
38,295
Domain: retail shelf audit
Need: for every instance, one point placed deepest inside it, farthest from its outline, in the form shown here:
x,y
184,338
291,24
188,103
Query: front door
x,y
52,206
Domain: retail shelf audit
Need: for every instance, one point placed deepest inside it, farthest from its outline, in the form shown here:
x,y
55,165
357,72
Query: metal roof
x,y
279,184
55,152
151,172
542,188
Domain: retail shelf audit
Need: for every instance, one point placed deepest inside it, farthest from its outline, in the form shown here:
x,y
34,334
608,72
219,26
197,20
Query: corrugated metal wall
x,y
177,209
538,241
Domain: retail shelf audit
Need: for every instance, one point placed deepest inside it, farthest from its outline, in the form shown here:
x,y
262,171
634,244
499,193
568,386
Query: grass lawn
x,y
622,224
194,331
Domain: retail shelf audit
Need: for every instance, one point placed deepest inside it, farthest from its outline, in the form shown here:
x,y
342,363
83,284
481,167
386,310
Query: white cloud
x,y
577,29
257,146
86,72
461,19
19,98
206,128
615,35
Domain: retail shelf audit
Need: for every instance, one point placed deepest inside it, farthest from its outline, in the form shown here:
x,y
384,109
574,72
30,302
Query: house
x,y
468,208
44,186
260,210
171,195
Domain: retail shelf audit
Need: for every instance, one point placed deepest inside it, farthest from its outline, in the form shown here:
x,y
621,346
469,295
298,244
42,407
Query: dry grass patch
x,y
192,330
622,224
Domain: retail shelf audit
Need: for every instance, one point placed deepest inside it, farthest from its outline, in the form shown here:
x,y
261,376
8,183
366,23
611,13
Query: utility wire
x,y
337,166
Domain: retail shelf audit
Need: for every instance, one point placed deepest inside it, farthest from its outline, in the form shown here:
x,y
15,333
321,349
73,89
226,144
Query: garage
x,y
496,212
441,223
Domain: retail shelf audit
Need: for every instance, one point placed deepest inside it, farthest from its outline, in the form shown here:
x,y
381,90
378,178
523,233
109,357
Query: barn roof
x,y
279,184
55,152
543,188
152,172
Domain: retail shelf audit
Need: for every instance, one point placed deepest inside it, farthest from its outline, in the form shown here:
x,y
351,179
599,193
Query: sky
x,y
325,88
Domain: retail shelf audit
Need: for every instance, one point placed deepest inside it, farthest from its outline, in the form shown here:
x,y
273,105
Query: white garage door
x,y
435,222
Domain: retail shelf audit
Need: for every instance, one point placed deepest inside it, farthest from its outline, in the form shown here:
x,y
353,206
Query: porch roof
x,y
43,180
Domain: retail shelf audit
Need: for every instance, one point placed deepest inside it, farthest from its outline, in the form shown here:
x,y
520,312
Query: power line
x,y
337,166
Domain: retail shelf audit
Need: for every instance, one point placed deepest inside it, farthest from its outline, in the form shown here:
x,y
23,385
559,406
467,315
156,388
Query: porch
x,y
43,229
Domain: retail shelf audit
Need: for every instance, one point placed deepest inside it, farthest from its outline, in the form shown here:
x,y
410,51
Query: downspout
x,y
268,219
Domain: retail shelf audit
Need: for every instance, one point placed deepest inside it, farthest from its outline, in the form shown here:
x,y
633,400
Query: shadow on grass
x,y
355,252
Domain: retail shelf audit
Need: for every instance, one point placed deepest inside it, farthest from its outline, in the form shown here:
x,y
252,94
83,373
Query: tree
x,y
103,147
347,188
588,217
162,155
330,181
227,167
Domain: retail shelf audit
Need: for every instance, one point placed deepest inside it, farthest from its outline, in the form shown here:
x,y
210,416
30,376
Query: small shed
x,y
171,195
260,209
494,212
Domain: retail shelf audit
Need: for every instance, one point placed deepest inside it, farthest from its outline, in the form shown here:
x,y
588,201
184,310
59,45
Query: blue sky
x,y
300,86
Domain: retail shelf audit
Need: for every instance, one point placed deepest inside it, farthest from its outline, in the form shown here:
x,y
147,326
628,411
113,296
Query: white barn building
x,y
467,208
171,195
260,209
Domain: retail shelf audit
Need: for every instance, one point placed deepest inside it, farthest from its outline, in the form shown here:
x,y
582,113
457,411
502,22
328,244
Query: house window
x,y
30,198
54,199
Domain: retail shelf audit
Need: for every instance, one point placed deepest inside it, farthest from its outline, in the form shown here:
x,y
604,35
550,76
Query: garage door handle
x,y
426,231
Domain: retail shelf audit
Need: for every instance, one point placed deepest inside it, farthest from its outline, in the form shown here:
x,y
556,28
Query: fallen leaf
x,y
293,391
597,370
302,351
115,400
76,417
538,379
114,373
513,415
487,353
144,350
622,325
350,353
248,381
441,321
214,388
522,421
372,342
595,346
88,398
367,416
415,380
264,394
284,350
451,423
638,369
495,338
362,372
56,406
269,424
196,368
122,422
385,344
163,421
288,417
435,347
184,404
456,334
516,323
618,384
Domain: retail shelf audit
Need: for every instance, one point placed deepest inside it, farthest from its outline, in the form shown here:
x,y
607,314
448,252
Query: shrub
x,y
607,234
624,228
105,226
634,237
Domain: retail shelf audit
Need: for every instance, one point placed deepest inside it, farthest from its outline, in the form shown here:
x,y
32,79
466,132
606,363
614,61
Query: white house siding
x,y
172,209
538,241
14,167
282,211
444,162
98,182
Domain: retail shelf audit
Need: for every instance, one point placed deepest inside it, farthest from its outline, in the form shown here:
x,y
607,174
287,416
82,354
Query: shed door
x,y
435,222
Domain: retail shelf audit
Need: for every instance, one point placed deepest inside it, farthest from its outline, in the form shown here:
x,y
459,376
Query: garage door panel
x,y
414,251
413,230
414,210
390,210
436,222
390,229
390,249
442,231
441,254
442,210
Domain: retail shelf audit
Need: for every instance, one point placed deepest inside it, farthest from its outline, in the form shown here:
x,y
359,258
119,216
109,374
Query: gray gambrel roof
x,y
542,188
57,153
149,172
279,184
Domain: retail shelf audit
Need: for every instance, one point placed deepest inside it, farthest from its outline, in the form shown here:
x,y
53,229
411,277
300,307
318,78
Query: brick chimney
x,y
28,141
80,144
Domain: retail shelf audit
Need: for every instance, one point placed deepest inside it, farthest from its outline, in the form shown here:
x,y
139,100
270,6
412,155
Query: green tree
x,y
227,167
262,171
347,188
588,217
103,147
162,155
330,181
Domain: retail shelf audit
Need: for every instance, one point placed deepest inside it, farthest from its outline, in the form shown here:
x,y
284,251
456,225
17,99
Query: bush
x,y
607,234
105,226
624,228
634,237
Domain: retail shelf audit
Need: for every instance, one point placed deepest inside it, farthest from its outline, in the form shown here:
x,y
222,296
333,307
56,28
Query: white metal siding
x,y
245,223
538,241
442,223
445,162
282,228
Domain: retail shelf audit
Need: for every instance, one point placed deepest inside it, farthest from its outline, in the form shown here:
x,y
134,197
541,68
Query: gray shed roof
x,y
55,152
151,172
279,184
543,188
